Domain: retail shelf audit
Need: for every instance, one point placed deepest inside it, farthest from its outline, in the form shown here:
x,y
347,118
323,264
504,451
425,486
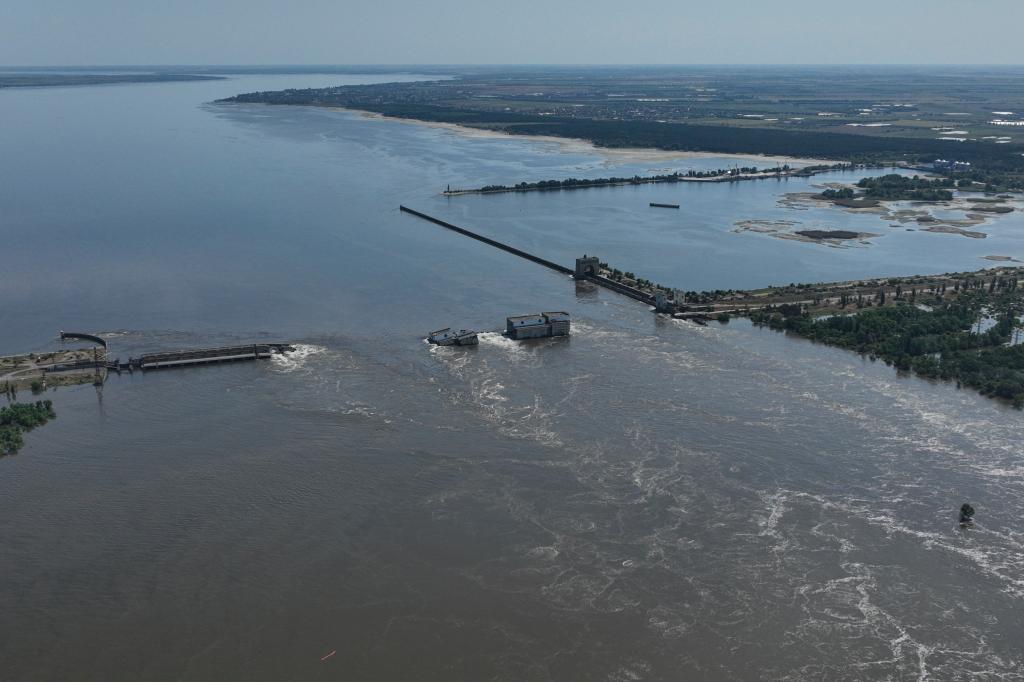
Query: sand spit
x,y
784,229
953,229
764,226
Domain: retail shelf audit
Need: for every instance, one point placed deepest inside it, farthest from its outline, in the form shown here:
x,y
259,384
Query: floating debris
x,y
966,515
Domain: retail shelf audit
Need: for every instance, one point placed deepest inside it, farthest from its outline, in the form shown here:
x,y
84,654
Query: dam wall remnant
x,y
487,240
587,268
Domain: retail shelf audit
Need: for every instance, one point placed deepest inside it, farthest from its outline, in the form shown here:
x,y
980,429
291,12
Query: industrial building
x,y
537,326
450,337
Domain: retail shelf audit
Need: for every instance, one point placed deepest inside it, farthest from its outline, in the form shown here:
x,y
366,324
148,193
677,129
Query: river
x,y
646,500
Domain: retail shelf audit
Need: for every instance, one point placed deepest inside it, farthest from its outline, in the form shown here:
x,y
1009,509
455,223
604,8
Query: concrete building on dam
x,y
537,326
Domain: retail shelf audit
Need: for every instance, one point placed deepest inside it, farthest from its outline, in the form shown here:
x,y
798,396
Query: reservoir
x,y
645,500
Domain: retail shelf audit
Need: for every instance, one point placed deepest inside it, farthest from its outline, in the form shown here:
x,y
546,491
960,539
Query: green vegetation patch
x,y
943,342
899,187
879,115
740,173
18,418
846,198
992,209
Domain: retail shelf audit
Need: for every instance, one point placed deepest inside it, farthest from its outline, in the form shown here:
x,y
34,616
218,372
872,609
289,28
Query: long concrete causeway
x,y
596,279
493,242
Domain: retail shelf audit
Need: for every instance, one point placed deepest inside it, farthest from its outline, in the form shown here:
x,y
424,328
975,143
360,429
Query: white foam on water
x,y
548,552
845,607
1000,559
515,350
1002,472
632,672
360,409
581,328
456,359
483,373
693,327
297,359
533,422
676,358
491,391
530,421
776,504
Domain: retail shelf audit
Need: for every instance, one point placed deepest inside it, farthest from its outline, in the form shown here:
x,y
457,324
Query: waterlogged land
x,y
937,334
940,205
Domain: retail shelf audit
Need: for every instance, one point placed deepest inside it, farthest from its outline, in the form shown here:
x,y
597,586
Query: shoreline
x,y
642,181
576,145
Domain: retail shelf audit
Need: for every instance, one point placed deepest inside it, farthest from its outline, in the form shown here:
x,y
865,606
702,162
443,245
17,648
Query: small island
x,y
891,187
992,209
784,229
832,234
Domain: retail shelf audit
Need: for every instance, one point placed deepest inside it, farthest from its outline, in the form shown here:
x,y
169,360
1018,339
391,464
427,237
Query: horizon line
x,y
505,65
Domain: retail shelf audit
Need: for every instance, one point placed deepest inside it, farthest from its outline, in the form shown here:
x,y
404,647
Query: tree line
x,y
946,341
17,418
574,183
392,101
901,187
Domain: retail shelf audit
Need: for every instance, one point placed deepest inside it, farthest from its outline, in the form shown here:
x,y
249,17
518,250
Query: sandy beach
x,y
611,155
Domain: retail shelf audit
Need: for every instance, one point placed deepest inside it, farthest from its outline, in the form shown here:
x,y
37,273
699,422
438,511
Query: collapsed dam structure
x,y
204,356
79,336
822,298
91,365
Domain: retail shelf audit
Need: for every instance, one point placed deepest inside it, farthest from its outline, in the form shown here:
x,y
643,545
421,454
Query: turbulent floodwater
x,y
646,500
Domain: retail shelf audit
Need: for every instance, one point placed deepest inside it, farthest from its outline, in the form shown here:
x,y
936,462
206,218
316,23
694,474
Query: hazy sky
x,y
86,32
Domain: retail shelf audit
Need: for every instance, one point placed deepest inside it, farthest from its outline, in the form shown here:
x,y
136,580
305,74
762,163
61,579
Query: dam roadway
x,y
618,288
